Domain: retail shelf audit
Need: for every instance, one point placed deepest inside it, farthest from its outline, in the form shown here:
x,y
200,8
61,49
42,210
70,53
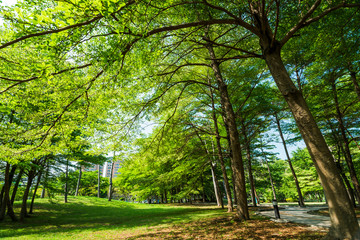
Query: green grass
x,y
93,218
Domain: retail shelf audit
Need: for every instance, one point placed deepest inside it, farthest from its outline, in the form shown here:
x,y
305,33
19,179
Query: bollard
x,y
276,209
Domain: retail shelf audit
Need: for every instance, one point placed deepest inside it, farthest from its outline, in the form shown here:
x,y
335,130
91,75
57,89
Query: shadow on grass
x,y
91,214
226,228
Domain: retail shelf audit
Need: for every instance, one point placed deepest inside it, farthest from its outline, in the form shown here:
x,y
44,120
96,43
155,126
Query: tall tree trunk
x,y
110,179
248,156
217,192
230,156
270,177
300,196
23,211
10,210
18,179
98,193
342,214
46,179
257,197
35,190
2,195
5,196
356,84
6,202
230,119
66,181
349,189
353,139
12,174
340,149
348,157
220,154
298,80
216,186
78,181
219,195
10,179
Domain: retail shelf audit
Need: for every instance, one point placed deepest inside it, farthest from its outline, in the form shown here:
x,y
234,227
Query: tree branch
x,y
300,23
305,20
51,31
184,65
33,78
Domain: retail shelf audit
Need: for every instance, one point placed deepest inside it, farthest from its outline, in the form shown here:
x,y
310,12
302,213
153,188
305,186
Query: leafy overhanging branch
x,y
54,123
306,20
18,81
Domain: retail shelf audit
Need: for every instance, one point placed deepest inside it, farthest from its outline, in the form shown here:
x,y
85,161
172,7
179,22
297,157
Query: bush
x,y
290,200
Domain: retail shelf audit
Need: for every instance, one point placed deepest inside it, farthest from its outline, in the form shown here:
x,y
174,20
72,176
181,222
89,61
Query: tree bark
x,y
217,192
220,154
66,181
110,179
349,189
10,210
18,179
23,212
298,80
45,180
230,119
10,178
2,195
216,186
248,156
6,202
230,156
98,193
78,181
5,196
356,84
257,197
270,177
35,190
342,214
348,157
300,196
12,174
353,139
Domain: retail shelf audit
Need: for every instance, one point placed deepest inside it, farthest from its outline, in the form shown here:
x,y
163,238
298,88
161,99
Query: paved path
x,y
296,214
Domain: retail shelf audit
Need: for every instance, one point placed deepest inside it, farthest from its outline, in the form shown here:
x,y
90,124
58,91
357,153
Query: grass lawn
x,y
93,218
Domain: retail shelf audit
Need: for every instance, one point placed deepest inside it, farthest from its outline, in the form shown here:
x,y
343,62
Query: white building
x,y
106,167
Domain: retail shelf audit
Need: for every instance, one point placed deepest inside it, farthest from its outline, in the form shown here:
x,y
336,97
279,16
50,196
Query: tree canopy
x,y
214,79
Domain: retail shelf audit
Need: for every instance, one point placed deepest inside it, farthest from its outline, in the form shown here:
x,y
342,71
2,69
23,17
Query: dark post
x,y
276,209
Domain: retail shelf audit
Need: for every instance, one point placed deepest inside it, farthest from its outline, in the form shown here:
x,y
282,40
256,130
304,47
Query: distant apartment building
x,y
104,169
107,167
93,168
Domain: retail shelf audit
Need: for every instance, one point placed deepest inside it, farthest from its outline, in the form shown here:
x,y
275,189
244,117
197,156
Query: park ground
x,y
92,218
